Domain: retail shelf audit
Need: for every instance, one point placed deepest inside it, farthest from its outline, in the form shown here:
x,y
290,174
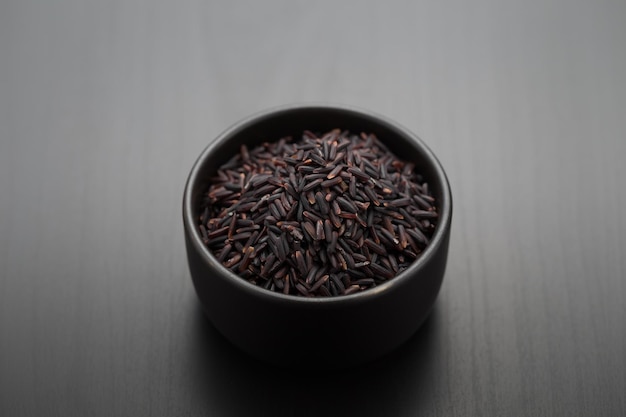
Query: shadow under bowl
x,y
316,333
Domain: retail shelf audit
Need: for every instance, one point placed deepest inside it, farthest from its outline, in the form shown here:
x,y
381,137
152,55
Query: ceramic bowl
x,y
321,332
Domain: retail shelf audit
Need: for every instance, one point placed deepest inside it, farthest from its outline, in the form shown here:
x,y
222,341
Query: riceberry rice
x,y
326,215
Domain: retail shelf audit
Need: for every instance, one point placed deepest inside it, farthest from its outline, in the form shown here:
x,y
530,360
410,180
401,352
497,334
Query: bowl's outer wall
x,y
318,335
329,335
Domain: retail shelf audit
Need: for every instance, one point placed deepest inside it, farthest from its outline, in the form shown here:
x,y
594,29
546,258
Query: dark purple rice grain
x,y
281,209
316,176
285,244
335,171
305,169
218,232
282,253
328,230
367,282
345,243
424,214
393,262
336,280
321,281
380,270
246,258
238,246
371,172
252,240
224,253
333,243
275,229
322,204
241,236
352,187
390,237
312,274
216,241
371,195
319,230
309,228
347,205
358,174
334,219
359,257
423,204
318,159
300,262
302,289
352,289
331,182
260,247
403,237
375,247
279,283
362,222
232,261
328,215
347,256
418,236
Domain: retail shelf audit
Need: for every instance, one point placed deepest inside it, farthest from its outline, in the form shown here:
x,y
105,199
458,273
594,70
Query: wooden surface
x,y
104,106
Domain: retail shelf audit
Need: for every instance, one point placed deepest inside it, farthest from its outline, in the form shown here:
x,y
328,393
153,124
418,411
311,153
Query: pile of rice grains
x,y
326,215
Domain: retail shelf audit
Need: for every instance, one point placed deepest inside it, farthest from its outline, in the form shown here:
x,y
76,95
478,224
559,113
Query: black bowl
x,y
316,333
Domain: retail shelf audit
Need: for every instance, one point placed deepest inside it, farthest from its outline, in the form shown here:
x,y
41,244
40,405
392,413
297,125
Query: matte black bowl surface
x,y
316,333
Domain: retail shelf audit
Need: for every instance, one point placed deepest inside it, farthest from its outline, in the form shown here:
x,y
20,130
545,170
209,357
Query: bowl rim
x,y
436,241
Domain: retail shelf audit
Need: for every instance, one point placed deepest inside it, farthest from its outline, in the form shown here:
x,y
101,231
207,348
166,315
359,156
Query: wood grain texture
x,y
105,105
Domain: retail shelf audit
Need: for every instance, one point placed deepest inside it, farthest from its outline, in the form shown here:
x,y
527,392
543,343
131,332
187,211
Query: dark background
x,y
104,106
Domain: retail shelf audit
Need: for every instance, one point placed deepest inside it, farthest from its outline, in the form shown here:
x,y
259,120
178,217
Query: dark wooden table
x,y
104,106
